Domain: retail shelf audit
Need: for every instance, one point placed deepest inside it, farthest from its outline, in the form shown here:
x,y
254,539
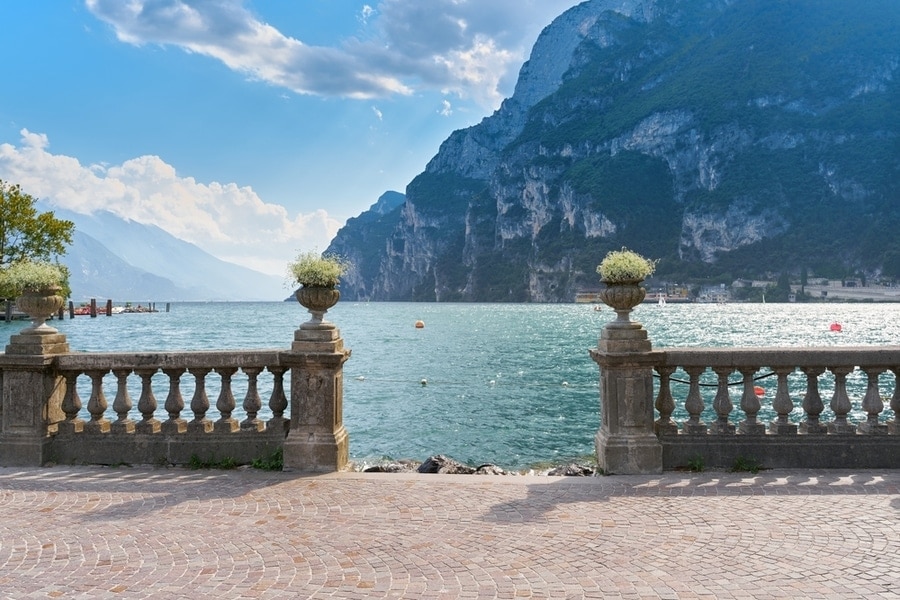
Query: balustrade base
x,y
665,428
842,428
810,428
228,425
695,429
36,343
173,426
783,451
25,450
70,427
200,426
628,454
121,427
720,428
776,428
98,426
316,452
253,425
751,429
873,428
147,426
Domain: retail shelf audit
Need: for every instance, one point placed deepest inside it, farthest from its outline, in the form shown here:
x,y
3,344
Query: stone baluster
x,y
147,403
722,403
873,404
252,402
840,403
71,405
894,426
694,403
783,405
122,403
812,402
278,401
174,403
665,404
97,404
225,403
200,402
750,404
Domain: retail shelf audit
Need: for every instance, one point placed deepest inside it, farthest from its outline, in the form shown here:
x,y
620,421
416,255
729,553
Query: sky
x,y
252,128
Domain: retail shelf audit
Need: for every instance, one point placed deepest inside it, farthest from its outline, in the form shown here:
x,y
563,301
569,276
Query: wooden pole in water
x,y
167,307
93,308
71,309
109,307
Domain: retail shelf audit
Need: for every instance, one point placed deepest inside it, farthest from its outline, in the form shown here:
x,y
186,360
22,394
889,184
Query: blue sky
x,y
253,128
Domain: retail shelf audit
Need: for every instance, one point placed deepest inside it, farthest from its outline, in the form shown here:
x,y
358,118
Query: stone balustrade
x,y
642,392
44,418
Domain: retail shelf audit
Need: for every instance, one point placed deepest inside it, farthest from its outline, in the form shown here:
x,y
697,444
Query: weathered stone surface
x,y
571,470
446,465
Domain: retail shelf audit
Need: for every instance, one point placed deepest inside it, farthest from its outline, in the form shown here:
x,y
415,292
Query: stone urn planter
x,y
40,305
317,300
623,271
318,276
622,297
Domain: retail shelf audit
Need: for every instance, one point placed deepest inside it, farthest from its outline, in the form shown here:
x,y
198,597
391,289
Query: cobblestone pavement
x,y
91,532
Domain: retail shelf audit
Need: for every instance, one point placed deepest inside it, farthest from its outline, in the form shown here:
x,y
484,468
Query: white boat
x,y
662,300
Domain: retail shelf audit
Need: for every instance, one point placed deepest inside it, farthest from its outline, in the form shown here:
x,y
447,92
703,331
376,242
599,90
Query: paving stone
x,y
92,532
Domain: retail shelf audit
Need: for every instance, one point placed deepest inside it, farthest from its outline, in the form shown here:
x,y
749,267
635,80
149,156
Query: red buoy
x,y
836,326
759,391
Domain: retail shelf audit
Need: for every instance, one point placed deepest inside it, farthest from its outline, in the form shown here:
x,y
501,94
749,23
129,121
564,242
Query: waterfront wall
x,y
642,388
42,414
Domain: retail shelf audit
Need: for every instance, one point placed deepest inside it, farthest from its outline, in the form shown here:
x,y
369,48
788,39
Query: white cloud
x,y
366,13
378,114
446,108
470,48
225,219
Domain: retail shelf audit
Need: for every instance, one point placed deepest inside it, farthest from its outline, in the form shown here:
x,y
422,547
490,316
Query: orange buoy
x,y
759,391
836,326
420,324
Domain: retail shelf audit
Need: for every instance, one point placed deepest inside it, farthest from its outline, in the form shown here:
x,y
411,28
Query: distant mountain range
x,y
128,261
726,138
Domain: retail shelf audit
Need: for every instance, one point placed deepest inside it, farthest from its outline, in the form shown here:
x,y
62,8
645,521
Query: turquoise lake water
x,y
511,384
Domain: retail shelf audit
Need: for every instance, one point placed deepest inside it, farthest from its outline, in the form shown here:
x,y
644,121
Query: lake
x,y
510,384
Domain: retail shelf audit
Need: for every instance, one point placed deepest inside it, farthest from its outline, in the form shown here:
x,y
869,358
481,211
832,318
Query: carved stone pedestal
x,y
317,440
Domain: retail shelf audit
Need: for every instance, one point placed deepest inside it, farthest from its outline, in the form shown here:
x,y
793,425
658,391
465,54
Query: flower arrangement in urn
x,y
28,276
318,276
37,286
622,271
625,266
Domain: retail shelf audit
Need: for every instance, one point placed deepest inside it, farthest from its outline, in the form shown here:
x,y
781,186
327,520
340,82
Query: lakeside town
x,y
764,290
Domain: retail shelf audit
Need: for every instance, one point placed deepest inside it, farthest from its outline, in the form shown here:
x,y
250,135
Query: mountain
x,y
127,261
726,138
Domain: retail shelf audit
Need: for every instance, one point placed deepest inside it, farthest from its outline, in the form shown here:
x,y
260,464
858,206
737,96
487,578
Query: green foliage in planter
x,y
314,270
625,265
26,275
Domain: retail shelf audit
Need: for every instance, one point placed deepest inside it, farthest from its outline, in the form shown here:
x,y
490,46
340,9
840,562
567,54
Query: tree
x,y
27,234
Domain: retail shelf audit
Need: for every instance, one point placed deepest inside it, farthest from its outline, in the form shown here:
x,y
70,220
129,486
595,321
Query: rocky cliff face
x,y
725,138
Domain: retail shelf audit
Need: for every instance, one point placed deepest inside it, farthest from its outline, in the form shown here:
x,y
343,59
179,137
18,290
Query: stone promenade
x,y
90,532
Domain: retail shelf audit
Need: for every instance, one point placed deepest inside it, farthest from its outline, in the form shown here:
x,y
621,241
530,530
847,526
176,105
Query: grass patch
x,y
226,463
745,465
273,462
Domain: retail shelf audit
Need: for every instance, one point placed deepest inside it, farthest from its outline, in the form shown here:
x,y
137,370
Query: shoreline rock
x,y
442,464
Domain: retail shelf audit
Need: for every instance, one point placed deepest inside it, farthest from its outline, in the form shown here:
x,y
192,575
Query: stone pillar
x,y
625,442
31,396
317,440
